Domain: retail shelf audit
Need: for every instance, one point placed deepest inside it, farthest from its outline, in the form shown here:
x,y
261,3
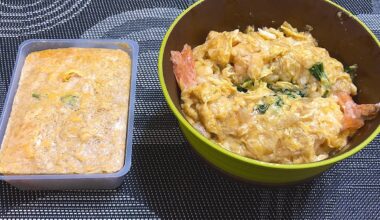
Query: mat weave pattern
x,y
167,179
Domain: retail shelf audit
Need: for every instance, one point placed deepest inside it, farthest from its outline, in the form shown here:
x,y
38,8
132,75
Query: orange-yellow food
x,y
270,94
69,114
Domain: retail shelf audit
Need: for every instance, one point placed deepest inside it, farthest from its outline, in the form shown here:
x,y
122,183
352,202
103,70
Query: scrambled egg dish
x,y
271,94
69,114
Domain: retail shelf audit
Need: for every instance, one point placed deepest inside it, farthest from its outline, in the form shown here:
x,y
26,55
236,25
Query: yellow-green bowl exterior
x,y
246,168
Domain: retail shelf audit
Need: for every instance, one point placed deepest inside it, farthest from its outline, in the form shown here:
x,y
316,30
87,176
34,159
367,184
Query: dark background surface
x,y
167,179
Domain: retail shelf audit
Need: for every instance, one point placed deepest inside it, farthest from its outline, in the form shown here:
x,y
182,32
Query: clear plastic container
x,y
71,181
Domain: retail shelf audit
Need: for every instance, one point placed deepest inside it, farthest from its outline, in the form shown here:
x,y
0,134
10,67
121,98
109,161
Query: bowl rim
x,y
251,161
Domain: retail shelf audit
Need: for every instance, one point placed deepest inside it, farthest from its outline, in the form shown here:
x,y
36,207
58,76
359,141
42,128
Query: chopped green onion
x,y
35,95
292,93
245,86
262,108
70,101
301,93
318,71
241,89
279,102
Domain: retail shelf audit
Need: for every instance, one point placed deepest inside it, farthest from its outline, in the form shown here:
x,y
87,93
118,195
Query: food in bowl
x,y
271,94
69,114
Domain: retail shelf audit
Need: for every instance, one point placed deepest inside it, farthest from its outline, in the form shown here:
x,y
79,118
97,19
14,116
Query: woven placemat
x,y
167,179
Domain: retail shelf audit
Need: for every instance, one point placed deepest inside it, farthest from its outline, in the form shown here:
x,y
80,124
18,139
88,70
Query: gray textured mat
x,y
167,179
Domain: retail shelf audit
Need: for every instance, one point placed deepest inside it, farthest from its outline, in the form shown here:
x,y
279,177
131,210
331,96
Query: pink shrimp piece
x,y
184,67
354,114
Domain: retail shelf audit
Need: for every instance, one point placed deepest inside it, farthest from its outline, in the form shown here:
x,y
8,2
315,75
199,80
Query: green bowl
x,y
336,29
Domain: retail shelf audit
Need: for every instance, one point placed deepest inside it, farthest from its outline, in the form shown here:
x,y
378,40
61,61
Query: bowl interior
x,y
341,34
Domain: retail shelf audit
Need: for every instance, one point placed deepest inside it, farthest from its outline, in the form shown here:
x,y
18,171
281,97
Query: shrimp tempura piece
x,y
184,67
354,114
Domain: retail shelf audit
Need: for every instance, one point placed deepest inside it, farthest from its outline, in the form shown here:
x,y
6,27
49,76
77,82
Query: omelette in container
x,y
73,180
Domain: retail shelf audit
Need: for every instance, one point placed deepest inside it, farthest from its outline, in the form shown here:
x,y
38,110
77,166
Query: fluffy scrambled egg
x,y
271,94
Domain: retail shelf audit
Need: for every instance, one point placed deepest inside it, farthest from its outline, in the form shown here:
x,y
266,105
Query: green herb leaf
x,y
292,93
318,71
35,95
247,84
70,101
262,108
301,93
241,89
325,94
289,93
279,102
